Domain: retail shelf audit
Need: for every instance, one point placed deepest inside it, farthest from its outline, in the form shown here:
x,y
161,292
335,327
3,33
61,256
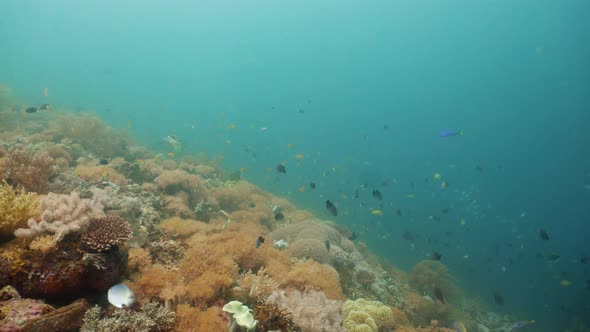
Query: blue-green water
x,y
361,89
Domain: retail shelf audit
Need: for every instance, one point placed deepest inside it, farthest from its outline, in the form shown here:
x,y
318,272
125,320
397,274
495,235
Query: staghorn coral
x,y
152,317
311,310
62,214
106,233
362,315
32,171
16,207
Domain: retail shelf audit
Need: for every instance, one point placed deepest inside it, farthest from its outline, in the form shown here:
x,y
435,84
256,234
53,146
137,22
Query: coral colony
x,y
85,213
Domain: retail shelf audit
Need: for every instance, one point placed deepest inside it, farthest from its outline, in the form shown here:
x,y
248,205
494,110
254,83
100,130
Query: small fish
x,y
312,185
356,194
565,283
498,298
478,168
450,133
543,235
120,296
259,241
377,213
385,126
327,243
353,236
172,139
439,295
553,257
459,327
398,212
332,208
103,161
444,185
281,169
436,176
43,107
279,216
521,324
408,236
436,256
445,210
299,156
377,194
31,110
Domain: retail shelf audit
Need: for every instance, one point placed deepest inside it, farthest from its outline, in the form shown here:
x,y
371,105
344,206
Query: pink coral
x,y
106,233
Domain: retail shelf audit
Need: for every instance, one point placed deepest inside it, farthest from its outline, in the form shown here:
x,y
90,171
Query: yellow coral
x,y
362,315
15,209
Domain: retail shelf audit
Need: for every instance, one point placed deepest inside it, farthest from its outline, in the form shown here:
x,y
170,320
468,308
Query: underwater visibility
x,y
292,166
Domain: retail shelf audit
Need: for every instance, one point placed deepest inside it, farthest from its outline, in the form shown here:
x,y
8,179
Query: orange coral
x,y
177,205
100,173
138,260
313,275
191,319
182,228
152,282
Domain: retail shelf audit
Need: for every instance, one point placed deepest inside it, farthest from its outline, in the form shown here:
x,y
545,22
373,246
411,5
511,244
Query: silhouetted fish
x,y
498,298
399,212
259,241
281,169
279,216
377,194
332,208
445,210
543,235
436,256
31,110
408,236
312,185
103,161
439,295
327,243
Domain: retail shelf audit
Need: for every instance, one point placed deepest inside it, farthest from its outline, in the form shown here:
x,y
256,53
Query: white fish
x,y
121,296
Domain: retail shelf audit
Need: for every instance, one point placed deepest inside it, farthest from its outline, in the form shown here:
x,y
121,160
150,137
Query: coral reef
x,y
311,310
100,173
428,274
151,318
32,171
362,315
16,311
106,233
16,207
62,214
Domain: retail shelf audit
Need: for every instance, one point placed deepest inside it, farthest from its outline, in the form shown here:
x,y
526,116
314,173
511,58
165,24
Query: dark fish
x,y
498,298
385,126
445,210
312,185
327,243
281,169
301,111
478,168
553,257
353,236
31,110
436,256
439,295
356,194
279,216
332,208
543,235
251,205
259,241
399,212
584,259
103,161
408,236
377,194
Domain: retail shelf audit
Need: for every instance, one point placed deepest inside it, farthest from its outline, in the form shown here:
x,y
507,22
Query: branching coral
x,y
364,316
62,214
32,171
16,208
106,233
311,310
152,318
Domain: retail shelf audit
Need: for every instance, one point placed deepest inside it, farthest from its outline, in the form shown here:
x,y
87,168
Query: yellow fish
x,y
436,176
299,156
565,283
290,145
377,213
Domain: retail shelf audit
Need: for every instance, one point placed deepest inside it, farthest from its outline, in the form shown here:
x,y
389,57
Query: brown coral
x,y
311,248
100,173
32,171
106,233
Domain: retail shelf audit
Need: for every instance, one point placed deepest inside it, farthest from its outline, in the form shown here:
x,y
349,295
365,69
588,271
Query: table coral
x,y
16,207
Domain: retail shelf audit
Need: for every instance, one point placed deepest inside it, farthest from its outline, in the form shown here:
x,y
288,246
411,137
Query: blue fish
x,y
450,133
521,324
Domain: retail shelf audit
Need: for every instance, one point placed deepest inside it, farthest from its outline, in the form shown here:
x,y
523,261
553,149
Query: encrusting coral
x,y
16,207
366,316
62,214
